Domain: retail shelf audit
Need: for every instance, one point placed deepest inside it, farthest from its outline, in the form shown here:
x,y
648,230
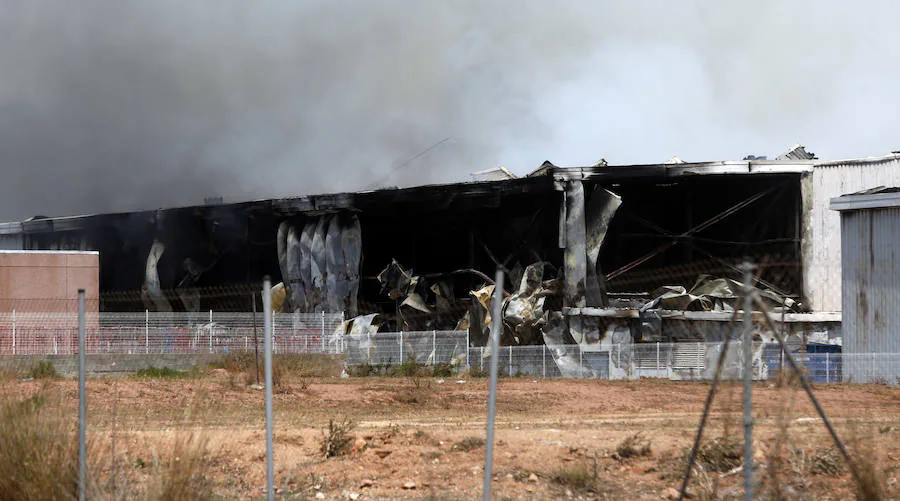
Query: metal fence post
x,y
747,343
434,359
580,361
267,328
14,332
468,364
211,330
632,366
509,366
401,347
827,368
323,332
657,359
147,331
82,405
482,359
544,360
496,320
369,350
699,366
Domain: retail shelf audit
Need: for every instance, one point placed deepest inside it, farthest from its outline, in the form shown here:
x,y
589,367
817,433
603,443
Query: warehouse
x,y
609,235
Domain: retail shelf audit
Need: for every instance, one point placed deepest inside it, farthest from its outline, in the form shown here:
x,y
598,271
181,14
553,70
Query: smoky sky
x,y
110,105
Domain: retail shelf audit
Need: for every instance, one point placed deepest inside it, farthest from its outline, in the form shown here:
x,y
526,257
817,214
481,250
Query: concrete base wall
x,y
107,365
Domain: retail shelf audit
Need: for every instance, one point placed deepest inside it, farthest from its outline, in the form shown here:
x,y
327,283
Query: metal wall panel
x,y
821,248
870,241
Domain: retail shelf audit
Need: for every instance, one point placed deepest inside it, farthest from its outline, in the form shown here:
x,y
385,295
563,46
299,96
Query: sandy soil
x,y
410,435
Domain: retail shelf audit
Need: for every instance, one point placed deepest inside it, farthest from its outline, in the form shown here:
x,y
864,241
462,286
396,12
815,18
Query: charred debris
x,y
575,243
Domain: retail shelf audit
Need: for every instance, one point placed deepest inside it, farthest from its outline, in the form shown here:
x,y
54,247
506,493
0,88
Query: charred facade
x,y
608,229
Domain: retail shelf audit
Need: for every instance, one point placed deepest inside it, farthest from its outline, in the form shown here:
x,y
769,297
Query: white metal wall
x,y
822,226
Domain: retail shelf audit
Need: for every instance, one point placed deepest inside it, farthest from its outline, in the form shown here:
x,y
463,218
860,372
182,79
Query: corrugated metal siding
x,y
822,250
871,281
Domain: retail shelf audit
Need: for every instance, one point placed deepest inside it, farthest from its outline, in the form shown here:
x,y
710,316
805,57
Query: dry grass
x,y
286,369
39,458
8,375
182,476
866,455
337,438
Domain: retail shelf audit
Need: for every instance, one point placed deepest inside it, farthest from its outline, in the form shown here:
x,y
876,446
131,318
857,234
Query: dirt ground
x,y
422,438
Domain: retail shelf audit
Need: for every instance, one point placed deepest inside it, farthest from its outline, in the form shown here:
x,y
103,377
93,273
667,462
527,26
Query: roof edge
x,y
857,161
870,201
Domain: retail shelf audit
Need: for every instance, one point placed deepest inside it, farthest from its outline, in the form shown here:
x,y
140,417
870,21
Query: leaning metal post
x,y
747,345
496,322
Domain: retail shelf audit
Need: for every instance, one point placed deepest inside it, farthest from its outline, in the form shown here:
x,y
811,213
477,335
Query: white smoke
x,y
108,105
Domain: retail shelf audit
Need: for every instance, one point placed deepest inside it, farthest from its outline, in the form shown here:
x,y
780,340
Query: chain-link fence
x,y
32,333
218,333
397,348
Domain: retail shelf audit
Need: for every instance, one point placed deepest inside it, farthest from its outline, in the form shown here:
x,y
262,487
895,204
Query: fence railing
x,y
397,348
155,333
147,333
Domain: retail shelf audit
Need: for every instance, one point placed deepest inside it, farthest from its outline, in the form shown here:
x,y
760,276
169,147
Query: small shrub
x,y
828,462
164,373
478,373
721,454
278,383
408,369
410,396
363,370
469,444
337,439
579,476
633,446
43,370
236,363
442,370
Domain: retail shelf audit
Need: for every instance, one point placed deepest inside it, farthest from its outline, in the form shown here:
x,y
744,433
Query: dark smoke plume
x,y
110,105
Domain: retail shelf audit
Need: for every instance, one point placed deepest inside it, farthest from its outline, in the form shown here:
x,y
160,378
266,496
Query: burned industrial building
x,y
583,245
